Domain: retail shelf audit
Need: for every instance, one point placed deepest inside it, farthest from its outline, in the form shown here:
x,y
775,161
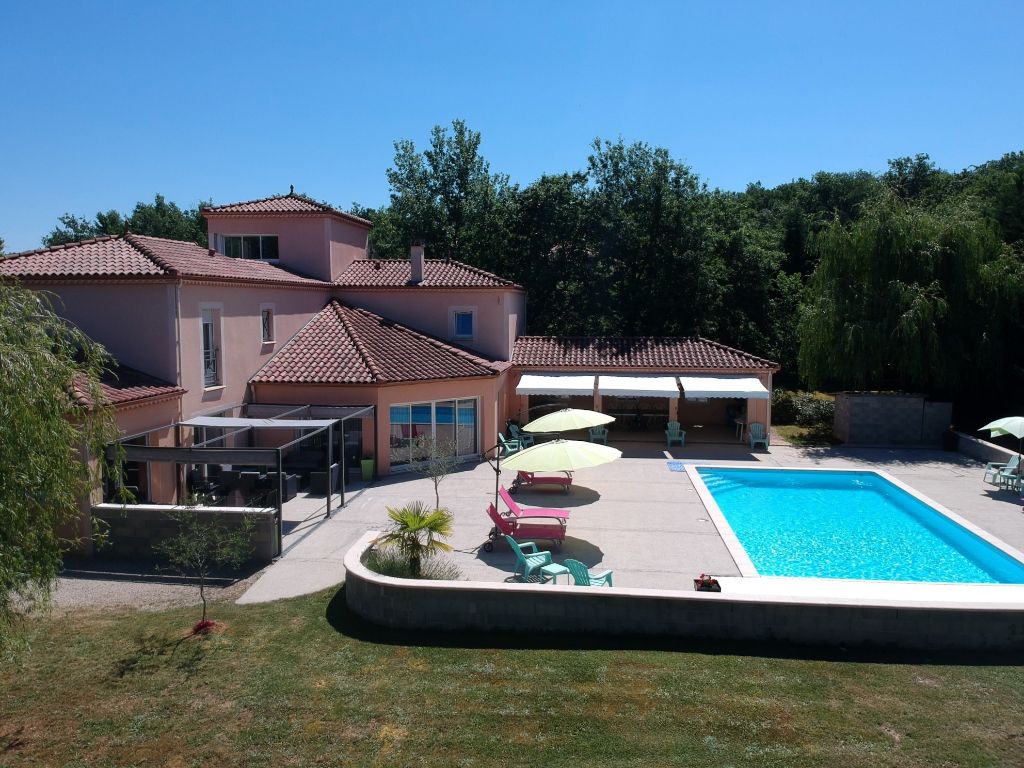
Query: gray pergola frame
x,y
269,457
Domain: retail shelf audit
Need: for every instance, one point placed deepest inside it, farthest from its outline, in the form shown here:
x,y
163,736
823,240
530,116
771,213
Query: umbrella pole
x,y
496,466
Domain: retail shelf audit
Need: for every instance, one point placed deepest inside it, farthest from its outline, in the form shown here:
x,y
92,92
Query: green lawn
x,y
815,436
302,682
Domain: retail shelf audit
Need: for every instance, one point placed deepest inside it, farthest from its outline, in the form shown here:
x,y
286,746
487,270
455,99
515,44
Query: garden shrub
x,y
802,408
390,562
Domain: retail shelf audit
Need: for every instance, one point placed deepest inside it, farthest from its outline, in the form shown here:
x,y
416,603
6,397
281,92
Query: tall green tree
x,y
648,226
446,198
53,411
550,253
897,300
999,187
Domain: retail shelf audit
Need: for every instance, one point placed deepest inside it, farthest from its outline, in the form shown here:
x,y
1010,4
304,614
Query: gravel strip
x,y
107,584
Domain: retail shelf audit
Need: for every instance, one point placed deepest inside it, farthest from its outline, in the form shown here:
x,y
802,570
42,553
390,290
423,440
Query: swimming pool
x,y
847,525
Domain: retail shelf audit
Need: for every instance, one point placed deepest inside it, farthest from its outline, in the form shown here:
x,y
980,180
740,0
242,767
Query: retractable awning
x,y
555,384
638,386
702,387
231,421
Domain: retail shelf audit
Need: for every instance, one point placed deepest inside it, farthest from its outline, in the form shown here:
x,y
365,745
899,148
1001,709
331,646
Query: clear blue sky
x,y
105,104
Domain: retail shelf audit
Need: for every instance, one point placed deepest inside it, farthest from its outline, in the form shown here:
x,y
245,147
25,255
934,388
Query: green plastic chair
x,y
599,435
1010,478
507,446
758,434
525,440
675,435
528,558
585,578
995,470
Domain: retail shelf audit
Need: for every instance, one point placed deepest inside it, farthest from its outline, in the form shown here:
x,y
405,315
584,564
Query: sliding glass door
x,y
451,424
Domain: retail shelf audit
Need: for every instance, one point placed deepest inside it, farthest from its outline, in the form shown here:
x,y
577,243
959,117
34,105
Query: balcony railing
x,y
211,373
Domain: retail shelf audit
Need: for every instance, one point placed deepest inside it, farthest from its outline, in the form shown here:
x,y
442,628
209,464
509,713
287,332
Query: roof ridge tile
x,y
61,246
319,206
357,342
132,239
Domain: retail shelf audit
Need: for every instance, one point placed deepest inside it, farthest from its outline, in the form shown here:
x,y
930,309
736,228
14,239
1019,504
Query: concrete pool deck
x,y
633,516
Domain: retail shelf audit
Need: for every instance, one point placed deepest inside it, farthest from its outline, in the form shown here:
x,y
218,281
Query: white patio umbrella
x,y
568,419
561,455
1010,425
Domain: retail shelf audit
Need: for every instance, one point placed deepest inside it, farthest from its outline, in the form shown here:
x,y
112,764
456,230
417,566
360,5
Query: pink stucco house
x,y
285,309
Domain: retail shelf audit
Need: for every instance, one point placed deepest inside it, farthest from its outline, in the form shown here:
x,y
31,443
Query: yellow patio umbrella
x,y
568,419
561,456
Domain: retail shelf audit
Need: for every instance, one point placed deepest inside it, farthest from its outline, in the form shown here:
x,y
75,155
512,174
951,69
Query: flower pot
x,y
367,465
699,586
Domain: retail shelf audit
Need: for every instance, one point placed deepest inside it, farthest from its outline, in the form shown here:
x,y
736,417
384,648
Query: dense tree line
x,y
158,219
907,279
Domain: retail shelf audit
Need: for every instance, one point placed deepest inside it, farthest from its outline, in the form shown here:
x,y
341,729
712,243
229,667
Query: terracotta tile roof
x,y
347,345
650,352
437,273
283,204
102,257
189,260
122,386
139,256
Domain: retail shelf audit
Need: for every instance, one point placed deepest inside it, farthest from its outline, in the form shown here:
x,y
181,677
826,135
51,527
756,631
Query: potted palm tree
x,y
417,532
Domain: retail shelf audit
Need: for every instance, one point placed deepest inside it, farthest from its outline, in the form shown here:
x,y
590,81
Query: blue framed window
x,y
463,325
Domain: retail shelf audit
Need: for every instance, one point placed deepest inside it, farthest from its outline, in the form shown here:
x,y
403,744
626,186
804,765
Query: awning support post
x,y
330,456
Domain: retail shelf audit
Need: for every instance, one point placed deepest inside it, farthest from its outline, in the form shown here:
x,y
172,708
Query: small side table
x,y
741,427
551,573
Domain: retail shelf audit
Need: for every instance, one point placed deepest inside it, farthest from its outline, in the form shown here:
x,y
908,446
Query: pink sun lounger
x,y
522,529
517,511
532,478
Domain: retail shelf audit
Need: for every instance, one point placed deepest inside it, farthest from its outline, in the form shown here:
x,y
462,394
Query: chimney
x,y
416,262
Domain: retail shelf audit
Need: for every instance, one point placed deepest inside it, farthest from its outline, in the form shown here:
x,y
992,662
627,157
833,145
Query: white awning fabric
x,y
230,421
747,388
638,386
555,384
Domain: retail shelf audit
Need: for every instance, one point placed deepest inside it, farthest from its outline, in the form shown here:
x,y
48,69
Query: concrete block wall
x,y
869,418
134,529
981,450
535,608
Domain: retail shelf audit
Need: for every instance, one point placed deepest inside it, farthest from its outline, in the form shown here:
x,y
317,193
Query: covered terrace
x,y
711,408
257,461
645,382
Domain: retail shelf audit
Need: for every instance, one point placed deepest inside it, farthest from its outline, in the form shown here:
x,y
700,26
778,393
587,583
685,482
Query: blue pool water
x,y
850,525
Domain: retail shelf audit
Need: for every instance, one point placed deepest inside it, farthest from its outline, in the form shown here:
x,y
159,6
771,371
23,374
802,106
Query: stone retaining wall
x,y
981,450
533,608
871,418
135,528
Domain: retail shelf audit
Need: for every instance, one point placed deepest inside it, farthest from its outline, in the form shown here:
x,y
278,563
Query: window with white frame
x,y
211,348
463,325
267,324
261,247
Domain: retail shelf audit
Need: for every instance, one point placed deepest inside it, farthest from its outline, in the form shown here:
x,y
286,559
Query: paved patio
x,y
634,516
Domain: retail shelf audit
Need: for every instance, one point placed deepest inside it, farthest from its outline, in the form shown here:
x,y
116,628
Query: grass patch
x,y
303,682
816,435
